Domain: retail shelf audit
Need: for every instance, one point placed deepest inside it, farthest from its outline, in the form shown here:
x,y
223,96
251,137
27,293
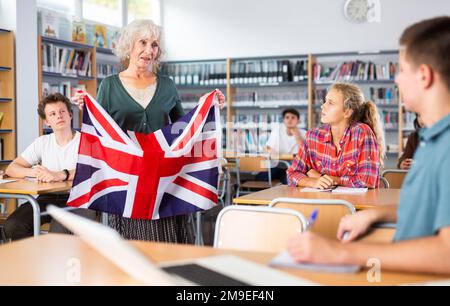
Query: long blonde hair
x,y
363,111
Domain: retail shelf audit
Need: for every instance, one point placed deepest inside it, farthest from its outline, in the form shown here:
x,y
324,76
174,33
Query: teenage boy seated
x,y
284,139
422,240
50,158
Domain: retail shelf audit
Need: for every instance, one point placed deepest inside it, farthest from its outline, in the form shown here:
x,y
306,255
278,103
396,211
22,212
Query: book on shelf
x,y
49,24
2,115
267,72
65,27
90,34
271,99
100,36
105,70
79,32
65,88
55,25
196,74
66,61
355,71
112,35
383,95
390,119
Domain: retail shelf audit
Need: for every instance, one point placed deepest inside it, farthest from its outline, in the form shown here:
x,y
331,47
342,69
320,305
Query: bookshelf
x,y
193,79
7,106
64,67
374,73
258,88
7,99
65,73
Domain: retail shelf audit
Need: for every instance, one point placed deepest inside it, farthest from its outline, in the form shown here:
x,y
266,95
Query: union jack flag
x,y
173,171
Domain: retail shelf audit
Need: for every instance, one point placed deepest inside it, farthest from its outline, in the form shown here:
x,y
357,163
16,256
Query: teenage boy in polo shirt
x,y
422,240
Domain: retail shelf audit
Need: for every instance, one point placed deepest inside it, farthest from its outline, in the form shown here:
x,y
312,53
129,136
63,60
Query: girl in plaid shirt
x,y
347,150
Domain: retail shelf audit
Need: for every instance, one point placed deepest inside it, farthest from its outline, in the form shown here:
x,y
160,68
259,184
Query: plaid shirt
x,y
357,164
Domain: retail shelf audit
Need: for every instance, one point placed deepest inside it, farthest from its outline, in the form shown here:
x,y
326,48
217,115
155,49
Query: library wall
x,y
205,29
21,17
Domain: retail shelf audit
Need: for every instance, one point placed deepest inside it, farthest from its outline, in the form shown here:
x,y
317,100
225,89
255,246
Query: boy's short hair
x,y
291,111
428,42
53,98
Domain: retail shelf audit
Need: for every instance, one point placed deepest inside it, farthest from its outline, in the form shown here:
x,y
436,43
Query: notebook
x,y
284,260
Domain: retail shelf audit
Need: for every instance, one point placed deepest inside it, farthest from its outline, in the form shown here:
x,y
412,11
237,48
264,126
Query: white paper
x,y
348,190
7,181
284,260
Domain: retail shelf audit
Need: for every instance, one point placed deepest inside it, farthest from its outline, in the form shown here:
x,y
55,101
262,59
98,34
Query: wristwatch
x,y
67,174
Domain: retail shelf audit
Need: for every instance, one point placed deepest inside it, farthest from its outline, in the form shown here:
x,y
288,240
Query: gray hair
x,y
131,33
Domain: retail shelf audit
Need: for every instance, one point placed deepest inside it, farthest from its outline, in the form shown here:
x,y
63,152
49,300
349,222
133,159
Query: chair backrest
x,y
257,163
395,177
384,183
259,229
330,212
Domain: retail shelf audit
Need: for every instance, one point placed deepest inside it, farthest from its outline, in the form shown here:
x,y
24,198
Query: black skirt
x,y
170,230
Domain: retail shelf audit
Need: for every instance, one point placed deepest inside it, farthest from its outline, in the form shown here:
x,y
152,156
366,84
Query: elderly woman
x,y
141,100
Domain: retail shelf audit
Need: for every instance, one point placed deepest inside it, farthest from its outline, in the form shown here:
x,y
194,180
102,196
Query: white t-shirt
x,y
281,142
45,151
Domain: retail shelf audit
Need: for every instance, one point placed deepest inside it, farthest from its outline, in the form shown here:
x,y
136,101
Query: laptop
x,y
208,271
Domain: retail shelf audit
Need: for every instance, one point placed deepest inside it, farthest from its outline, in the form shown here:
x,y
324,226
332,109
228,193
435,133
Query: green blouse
x,y
130,115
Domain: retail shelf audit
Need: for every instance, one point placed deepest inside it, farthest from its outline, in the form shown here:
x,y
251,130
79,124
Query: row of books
x,y
196,74
61,26
262,121
390,119
65,88
383,95
355,71
105,70
268,71
66,61
246,141
272,99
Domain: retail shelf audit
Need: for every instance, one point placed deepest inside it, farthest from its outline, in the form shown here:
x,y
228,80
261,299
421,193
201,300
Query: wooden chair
x,y
256,228
395,177
254,164
384,183
330,213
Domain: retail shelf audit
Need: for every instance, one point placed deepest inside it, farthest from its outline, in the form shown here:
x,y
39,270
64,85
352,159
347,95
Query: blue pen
x,y
313,218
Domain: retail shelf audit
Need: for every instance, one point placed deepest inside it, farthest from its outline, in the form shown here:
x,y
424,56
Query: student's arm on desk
x,y
20,168
353,227
425,255
47,176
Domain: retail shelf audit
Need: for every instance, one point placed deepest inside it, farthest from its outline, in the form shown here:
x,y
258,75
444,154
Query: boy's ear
x,y
46,123
426,76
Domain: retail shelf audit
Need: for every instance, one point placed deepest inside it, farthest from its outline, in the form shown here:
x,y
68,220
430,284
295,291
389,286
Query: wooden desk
x,y
34,188
47,260
27,189
371,199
